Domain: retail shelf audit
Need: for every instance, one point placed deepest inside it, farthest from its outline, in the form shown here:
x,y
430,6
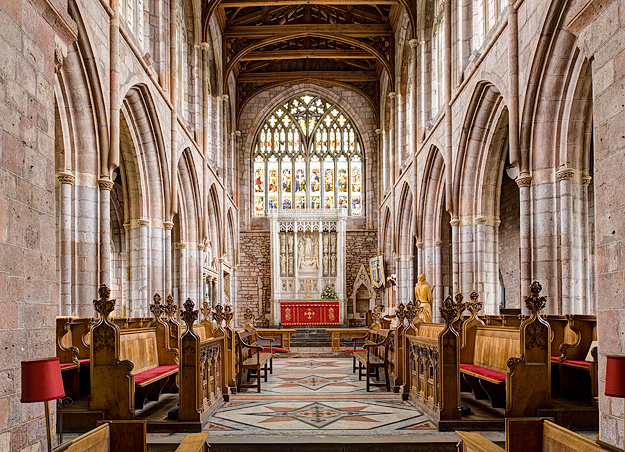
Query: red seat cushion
x,y
275,350
492,374
575,362
351,350
147,375
555,358
68,365
85,361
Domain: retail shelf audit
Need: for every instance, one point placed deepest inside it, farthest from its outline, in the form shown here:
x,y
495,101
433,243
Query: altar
x,y
307,255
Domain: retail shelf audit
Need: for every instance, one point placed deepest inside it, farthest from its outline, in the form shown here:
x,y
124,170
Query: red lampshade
x,y
615,376
41,380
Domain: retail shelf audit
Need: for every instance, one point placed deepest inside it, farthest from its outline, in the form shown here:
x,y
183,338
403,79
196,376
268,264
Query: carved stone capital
x,y
565,174
392,95
238,133
480,219
66,177
586,181
524,181
438,243
455,222
180,245
420,245
225,97
105,184
143,222
168,225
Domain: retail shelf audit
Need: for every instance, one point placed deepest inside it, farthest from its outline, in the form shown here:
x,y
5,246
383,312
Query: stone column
x,y
66,181
106,185
380,158
455,253
223,124
564,177
219,144
167,227
393,162
466,30
143,285
438,279
182,272
127,301
420,263
525,223
588,275
425,85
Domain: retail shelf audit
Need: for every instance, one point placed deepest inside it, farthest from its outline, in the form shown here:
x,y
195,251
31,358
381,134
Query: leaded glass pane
x,y
319,163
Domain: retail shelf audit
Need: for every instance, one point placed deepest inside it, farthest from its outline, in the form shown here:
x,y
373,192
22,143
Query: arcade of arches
x,y
148,144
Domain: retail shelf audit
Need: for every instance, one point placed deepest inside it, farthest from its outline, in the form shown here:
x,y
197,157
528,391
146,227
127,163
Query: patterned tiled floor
x,y
307,396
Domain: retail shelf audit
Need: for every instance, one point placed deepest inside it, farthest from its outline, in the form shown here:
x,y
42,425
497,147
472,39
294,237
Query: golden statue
x,y
423,293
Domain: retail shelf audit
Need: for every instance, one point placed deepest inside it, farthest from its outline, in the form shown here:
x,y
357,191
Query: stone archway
x,y
362,298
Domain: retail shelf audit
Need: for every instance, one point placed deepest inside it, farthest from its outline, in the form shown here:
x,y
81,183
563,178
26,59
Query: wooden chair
x,y
376,356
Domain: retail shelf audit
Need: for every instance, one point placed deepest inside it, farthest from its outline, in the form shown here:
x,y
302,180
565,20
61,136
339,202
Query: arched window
x,y
438,50
485,16
307,155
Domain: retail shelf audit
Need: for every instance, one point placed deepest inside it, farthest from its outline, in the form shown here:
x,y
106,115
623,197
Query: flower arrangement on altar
x,y
328,293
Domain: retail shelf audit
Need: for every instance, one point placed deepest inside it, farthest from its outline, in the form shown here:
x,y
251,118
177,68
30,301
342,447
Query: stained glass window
x,y
308,155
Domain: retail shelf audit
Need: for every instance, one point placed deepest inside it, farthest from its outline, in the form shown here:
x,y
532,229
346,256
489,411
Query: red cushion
x,y
555,358
146,375
575,362
85,361
351,350
492,374
274,349
67,365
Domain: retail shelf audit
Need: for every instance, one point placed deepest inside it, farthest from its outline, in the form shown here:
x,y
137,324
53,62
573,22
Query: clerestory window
x,y
307,155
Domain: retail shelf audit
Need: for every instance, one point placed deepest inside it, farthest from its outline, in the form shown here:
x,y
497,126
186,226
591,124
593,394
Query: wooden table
x,y
337,333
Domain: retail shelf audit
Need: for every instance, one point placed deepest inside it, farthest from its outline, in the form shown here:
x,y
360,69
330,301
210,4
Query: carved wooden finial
x,y
461,305
188,314
410,312
400,313
206,311
535,302
450,309
475,305
249,317
104,306
228,315
218,315
375,317
170,308
157,308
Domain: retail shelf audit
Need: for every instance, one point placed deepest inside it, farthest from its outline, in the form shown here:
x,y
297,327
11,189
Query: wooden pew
x,y
250,356
434,372
126,436
131,365
72,349
504,360
202,383
336,334
270,335
376,355
529,435
577,364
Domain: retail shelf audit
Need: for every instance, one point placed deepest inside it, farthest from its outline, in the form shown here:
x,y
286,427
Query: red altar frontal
x,y
309,313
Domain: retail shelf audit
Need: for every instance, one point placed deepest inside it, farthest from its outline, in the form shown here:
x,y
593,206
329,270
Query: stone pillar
x,y
223,124
455,253
128,299
564,177
370,212
393,162
182,271
106,185
143,285
525,186
420,265
425,85
167,227
66,181
438,280
588,274
219,144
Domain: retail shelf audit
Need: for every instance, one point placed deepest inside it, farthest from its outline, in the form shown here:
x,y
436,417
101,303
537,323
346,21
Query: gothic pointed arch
x,y
308,154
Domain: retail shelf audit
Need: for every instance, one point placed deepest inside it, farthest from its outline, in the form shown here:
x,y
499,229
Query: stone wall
x,y
28,280
255,261
361,245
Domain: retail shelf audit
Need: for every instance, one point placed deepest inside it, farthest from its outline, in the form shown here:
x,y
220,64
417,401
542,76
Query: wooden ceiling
x,y
347,43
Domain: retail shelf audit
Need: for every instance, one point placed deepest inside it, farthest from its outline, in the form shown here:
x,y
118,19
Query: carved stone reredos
x,y
188,314
535,303
104,306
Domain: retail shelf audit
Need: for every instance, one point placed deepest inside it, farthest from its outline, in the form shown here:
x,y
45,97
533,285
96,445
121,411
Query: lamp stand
x,y
48,426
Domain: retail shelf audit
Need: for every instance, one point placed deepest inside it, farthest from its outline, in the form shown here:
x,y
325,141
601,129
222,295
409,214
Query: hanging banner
x,y
376,271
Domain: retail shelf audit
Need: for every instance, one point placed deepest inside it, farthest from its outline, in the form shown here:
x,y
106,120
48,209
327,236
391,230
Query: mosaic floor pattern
x,y
307,396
